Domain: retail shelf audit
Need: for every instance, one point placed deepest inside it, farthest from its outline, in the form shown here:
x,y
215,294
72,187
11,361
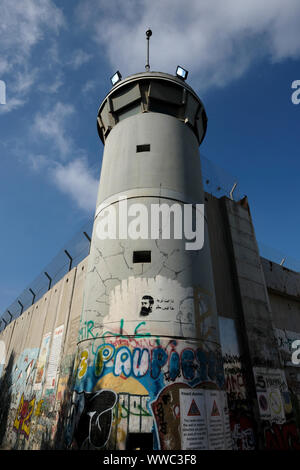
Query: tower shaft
x,y
149,358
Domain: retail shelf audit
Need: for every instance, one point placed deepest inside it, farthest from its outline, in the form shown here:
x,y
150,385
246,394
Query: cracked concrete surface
x,y
115,287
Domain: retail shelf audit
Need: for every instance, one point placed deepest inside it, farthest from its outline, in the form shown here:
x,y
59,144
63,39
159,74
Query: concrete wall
x,y
233,344
258,306
284,293
38,351
268,411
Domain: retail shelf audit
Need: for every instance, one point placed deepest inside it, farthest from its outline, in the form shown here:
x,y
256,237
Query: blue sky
x,y
56,58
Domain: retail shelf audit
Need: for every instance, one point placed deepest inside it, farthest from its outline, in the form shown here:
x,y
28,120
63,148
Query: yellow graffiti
x,y
38,408
104,354
117,414
121,385
16,424
83,364
23,416
120,434
26,422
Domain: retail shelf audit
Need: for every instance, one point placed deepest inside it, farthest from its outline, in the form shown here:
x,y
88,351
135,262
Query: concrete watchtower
x,y
149,358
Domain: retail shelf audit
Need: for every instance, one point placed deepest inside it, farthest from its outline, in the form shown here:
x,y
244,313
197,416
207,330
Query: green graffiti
x,y
141,335
121,335
126,336
138,411
86,331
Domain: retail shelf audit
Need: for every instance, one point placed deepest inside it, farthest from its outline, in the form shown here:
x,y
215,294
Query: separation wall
x,y
37,358
258,307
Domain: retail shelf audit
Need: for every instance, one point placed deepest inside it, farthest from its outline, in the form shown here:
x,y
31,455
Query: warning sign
x,y
194,410
204,420
215,410
193,419
227,431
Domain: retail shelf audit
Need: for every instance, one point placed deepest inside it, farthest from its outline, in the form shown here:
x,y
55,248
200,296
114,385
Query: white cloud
x,y
4,65
52,125
77,180
54,86
23,24
11,104
74,177
89,86
215,40
23,81
79,58
17,89
38,162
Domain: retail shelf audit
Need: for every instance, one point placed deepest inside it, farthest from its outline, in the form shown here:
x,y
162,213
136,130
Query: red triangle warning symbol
x,y
215,410
194,410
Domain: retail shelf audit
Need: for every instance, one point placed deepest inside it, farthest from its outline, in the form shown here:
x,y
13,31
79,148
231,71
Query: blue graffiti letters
x,y
124,360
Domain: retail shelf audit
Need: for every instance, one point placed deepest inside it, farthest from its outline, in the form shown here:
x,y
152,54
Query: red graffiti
x,y
282,437
23,416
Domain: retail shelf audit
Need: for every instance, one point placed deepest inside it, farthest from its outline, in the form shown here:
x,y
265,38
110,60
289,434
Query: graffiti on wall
x,y
234,376
131,415
103,415
24,413
159,363
272,394
276,410
240,410
94,424
242,430
138,369
281,436
30,403
128,349
24,372
42,361
285,339
132,405
86,331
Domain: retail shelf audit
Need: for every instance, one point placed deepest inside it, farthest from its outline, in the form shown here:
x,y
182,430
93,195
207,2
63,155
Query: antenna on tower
x,y
148,35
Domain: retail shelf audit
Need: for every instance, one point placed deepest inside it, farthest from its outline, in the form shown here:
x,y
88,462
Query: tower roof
x,y
152,92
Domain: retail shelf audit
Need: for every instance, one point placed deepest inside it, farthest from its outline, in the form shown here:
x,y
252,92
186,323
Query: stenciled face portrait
x,y
147,302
